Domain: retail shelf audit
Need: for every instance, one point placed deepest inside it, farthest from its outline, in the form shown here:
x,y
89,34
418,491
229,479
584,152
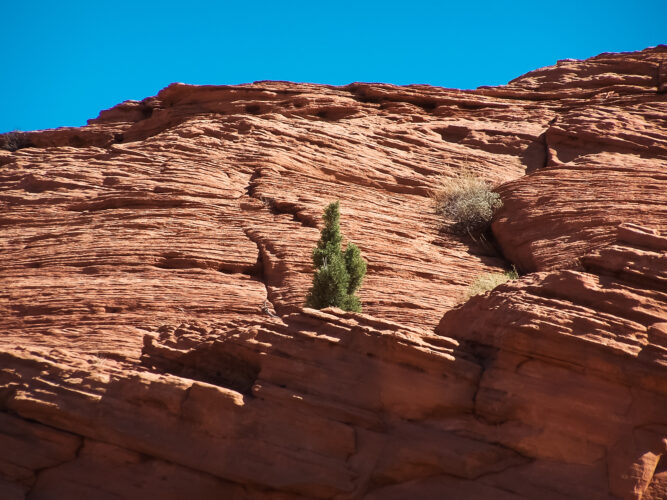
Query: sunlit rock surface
x,y
140,251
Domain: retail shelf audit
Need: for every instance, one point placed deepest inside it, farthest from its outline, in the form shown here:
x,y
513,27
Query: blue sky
x,y
65,61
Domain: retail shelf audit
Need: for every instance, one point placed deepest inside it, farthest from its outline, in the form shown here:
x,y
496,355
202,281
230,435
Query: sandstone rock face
x,y
139,253
605,164
582,384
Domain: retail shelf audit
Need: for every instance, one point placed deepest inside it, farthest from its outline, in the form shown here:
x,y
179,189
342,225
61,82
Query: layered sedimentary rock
x,y
141,253
606,158
579,358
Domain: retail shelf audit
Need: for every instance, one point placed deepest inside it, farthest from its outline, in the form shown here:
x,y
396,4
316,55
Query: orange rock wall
x,y
138,251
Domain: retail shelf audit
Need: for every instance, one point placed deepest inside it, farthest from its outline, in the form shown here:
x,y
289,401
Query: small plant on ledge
x,y
468,204
15,140
338,274
487,282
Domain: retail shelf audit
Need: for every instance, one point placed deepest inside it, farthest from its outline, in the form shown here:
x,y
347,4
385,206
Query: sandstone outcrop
x,y
139,251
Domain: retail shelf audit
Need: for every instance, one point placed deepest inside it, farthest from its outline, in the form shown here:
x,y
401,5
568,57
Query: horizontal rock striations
x,y
155,264
579,357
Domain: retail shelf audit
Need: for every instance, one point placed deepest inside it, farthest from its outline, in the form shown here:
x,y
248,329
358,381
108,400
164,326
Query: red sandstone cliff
x,y
137,251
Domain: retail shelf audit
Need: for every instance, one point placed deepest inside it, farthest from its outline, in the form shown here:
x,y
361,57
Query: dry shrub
x,y
489,281
12,141
468,204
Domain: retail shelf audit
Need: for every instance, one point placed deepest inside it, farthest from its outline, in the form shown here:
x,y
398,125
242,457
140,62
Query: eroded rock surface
x,y
140,250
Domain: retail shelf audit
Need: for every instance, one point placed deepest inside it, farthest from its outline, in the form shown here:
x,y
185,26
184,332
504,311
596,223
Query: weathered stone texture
x,y
139,251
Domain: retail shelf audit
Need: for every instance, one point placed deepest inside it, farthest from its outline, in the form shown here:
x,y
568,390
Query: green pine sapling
x,y
338,274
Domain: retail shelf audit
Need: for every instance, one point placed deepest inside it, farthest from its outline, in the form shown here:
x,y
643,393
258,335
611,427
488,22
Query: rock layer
x,y
140,250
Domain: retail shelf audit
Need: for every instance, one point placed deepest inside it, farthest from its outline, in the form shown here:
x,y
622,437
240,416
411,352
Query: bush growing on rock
x,y
468,204
338,274
15,140
489,281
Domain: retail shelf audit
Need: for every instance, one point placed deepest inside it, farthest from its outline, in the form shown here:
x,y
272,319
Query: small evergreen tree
x,y
338,274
